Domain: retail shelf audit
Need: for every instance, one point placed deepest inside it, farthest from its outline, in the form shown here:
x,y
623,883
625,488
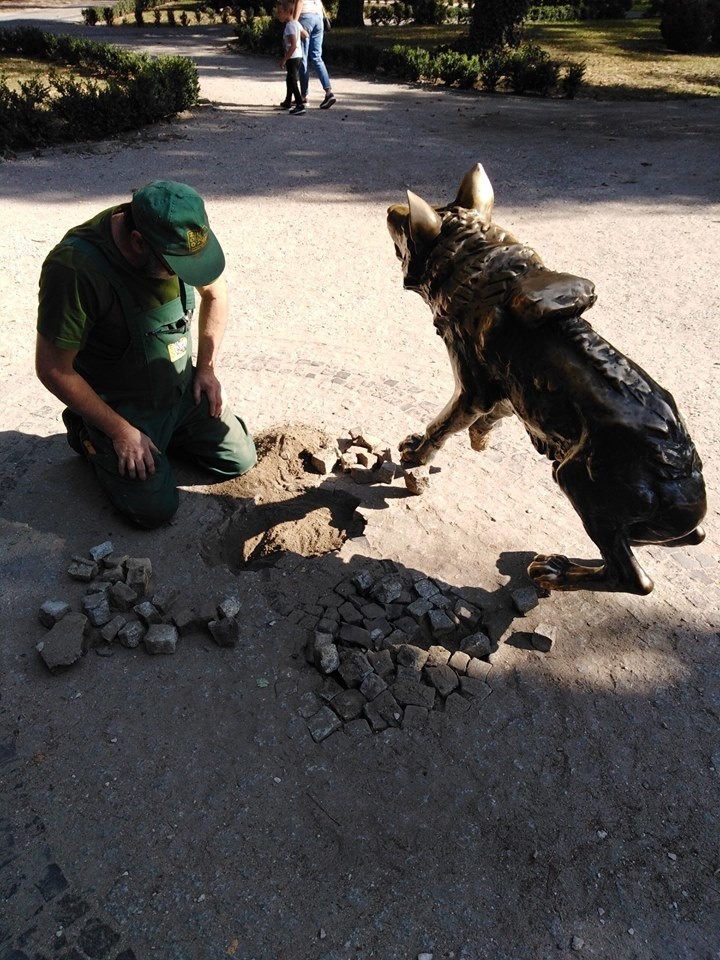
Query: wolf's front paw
x,y
550,572
412,452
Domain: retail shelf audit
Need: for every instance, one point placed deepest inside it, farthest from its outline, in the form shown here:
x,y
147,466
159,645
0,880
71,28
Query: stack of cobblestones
x,y
120,607
392,648
367,459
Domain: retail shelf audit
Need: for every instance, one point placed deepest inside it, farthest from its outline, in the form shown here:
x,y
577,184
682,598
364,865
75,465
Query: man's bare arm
x,y
54,367
212,322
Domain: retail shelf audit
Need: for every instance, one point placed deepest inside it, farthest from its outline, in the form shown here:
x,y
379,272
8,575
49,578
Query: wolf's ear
x,y
476,193
425,223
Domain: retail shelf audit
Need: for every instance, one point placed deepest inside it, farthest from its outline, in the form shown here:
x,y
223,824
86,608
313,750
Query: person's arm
x,y
291,50
54,367
297,9
212,321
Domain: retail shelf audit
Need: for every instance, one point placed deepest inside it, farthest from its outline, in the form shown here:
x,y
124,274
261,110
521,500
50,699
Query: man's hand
x,y
135,453
206,382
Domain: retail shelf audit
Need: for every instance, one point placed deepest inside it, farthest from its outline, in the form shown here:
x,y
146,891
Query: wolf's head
x,y
416,226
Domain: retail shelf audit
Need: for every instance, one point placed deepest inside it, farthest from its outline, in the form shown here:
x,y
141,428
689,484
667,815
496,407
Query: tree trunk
x,y
350,14
496,23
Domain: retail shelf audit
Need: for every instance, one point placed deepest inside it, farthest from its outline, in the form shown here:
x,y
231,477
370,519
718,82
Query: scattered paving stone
x,y
411,674
414,717
185,620
131,634
409,626
437,656
357,728
101,551
379,628
478,669
350,613
456,705
330,689
138,573
440,623
328,625
64,643
524,599
116,560
384,711
326,656
97,609
346,589
99,586
372,686
83,570
148,613
382,663
161,638
443,678
396,639
226,632
459,661
122,597
324,723
372,611
478,645
164,599
406,692
363,580
111,629
349,704
577,943
543,637
394,610
420,608
324,460
52,611
472,687
409,655
354,667
467,613
309,705
417,479
387,589
112,574
356,636
425,588
387,471
209,611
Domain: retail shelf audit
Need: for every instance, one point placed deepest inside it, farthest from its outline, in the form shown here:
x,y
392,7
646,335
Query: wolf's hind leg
x,y
479,431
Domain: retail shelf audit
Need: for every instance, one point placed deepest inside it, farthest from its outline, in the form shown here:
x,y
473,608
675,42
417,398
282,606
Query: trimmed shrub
x,y
605,9
408,63
260,34
492,70
532,70
456,69
430,13
572,78
554,14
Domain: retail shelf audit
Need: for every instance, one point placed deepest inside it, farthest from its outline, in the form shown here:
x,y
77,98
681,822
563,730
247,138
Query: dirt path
x,y
179,807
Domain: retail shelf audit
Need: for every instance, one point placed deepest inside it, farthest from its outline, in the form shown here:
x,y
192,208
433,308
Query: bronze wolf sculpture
x,y
518,345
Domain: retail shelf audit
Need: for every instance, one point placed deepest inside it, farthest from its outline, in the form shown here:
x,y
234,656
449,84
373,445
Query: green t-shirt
x,y
78,306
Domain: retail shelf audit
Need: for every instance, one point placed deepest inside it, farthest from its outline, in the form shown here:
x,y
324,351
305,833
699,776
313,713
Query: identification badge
x,y
178,349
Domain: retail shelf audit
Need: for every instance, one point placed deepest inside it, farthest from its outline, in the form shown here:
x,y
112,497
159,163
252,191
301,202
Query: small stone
x,y
325,654
161,638
185,621
324,460
138,572
350,613
444,679
83,570
226,632
64,644
327,626
115,560
101,551
362,475
417,479
409,655
97,609
356,636
122,597
354,667
406,692
52,611
349,704
440,623
437,656
357,728
468,615
409,626
425,956
456,705
425,588
164,599
384,711
372,686
209,611
111,629
309,705
524,599
441,602
543,637
414,717
131,634
478,645
146,612
411,674
372,611
388,589
393,611
112,574
477,689
329,601
419,608
382,663
346,589
478,669
386,472
577,943
323,724
379,628
364,579
98,587
459,661
330,689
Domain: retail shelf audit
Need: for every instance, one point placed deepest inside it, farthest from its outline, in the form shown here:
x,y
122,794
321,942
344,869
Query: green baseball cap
x,y
172,220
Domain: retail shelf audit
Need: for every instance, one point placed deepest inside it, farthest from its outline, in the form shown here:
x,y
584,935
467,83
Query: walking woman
x,y
310,14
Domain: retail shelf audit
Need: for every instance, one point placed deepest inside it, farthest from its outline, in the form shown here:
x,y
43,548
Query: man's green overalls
x,y
151,387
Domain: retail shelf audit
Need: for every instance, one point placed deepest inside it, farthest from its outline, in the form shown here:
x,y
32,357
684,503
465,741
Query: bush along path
x,y
127,90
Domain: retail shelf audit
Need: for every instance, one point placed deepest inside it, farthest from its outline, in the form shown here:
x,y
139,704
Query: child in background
x,y
292,61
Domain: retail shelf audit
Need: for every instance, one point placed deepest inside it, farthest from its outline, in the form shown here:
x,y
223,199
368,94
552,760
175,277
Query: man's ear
x,y
425,222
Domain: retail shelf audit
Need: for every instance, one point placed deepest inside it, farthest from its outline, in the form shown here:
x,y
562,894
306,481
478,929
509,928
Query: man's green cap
x,y
172,220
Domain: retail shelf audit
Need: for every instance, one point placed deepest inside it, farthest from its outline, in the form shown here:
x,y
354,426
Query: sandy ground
x,y
177,807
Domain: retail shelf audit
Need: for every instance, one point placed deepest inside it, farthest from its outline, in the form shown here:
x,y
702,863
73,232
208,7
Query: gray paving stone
x,y
382,663
101,551
524,599
372,686
354,667
122,597
225,632
52,611
406,692
475,688
437,656
323,724
414,717
357,728
138,573
443,679
147,612
440,623
161,638
111,629
131,634
459,661
349,704
349,613
63,644
309,705
478,645
543,637
384,711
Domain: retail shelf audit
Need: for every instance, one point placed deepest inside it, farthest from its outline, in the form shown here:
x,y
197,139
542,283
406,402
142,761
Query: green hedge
x,y
128,91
